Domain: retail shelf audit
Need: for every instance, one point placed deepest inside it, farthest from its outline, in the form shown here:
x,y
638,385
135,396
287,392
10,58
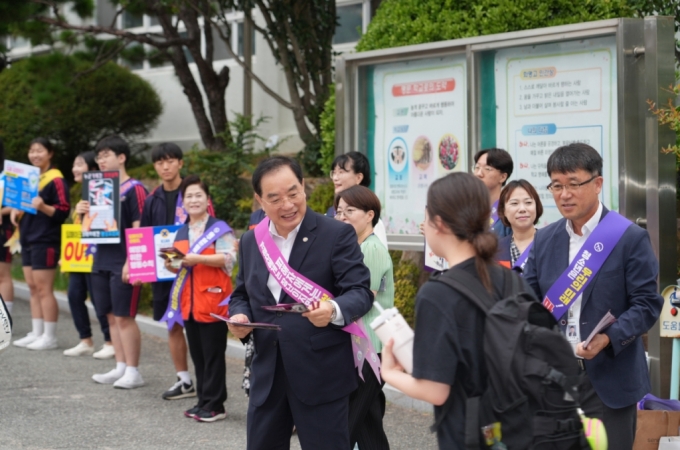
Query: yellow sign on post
x,y
75,256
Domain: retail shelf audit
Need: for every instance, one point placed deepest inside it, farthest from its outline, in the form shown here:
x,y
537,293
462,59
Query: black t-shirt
x,y
448,348
170,204
112,256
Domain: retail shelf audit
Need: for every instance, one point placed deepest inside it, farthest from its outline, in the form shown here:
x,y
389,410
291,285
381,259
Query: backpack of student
x,y
533,375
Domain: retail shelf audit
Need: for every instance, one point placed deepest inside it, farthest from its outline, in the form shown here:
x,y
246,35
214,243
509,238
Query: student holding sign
x,y
165,206
589,263
79,283
207,250
40,238
114,296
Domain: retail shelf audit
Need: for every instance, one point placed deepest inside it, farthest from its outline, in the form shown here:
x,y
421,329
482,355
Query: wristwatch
x,y
334,314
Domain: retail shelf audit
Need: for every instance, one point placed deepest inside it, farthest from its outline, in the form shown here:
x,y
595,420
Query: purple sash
x,y
494,212
586,264
173,315
522,260
305,291
180,213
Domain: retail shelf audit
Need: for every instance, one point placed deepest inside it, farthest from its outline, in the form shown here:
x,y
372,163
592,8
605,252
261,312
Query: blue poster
x,y
164,237
21,186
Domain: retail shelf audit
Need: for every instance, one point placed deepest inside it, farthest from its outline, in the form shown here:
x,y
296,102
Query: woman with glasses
x,y
352,169
520,208
494,166
360,207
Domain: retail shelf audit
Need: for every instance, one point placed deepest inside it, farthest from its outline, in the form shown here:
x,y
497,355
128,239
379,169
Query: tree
x,y
299,33
41,96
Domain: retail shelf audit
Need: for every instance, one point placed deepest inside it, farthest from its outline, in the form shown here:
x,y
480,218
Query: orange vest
x,y
205,287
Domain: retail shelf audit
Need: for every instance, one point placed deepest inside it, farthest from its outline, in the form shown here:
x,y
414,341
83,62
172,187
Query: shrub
x,y
55,97
327,152
322,197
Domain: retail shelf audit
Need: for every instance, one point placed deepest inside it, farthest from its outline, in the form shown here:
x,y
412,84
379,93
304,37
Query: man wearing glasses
x,y
303,373
597,261
494,166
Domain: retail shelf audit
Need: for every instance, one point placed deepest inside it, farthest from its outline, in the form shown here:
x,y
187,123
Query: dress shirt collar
x,y
588,227
291,235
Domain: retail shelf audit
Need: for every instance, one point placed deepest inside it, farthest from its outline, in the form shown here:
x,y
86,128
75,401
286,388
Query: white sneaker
x,y
24,341
109,377
43,343
106,352
79,350
129,381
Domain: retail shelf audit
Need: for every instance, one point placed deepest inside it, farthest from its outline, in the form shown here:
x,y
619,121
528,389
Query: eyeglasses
x,y
337,172
346,212
571,187
103,155
486,169
280,201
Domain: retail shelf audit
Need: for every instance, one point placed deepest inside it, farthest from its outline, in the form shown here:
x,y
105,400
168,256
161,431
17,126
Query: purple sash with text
x,y
305,291
173,315
586,264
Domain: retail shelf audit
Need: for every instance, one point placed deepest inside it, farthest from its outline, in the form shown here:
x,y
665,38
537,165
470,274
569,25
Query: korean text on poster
x,y
75,255
143,248
21,186
102,191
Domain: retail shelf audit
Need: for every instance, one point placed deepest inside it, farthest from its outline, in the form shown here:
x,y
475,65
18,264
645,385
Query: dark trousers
x,y
270,425
620,423
207,344
366,411
79,284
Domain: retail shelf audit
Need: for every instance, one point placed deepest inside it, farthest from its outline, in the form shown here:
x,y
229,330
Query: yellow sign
x,y
75,256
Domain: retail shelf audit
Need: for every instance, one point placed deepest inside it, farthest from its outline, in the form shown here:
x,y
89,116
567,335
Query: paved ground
x,y
48,401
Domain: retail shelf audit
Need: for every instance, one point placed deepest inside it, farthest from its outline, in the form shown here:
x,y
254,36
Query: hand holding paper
x,y
597,340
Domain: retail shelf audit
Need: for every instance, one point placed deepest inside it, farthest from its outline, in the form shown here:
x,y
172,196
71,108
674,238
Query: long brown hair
x,y
462,202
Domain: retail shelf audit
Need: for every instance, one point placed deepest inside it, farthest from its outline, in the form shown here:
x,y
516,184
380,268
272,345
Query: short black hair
x,y
114,143
44,142
271,164
166,150
573,157
362,198
90,159
190,181
358,164
498,159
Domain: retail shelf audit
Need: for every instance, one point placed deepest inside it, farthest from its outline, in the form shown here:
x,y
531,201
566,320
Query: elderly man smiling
x,y
304,373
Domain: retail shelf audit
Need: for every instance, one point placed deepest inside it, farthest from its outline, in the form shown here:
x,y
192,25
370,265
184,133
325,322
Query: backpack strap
x,y
471,288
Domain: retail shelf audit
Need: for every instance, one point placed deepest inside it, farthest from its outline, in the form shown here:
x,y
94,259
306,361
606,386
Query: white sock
x,y
131,370
38,326
184,377
51,330
9,306
120,368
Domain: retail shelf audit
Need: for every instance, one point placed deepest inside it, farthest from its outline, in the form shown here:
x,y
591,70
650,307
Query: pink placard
x,y
141,254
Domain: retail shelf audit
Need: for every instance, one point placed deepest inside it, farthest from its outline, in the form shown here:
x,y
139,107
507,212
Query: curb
x,y
235,349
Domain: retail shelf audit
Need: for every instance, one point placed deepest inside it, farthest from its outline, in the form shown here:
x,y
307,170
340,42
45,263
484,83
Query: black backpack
x,y
533,375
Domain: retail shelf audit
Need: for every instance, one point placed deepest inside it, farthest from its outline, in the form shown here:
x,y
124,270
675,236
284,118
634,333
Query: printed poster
x,y
21,186
552,95
669,321
75,255
143,248
102,190
420,134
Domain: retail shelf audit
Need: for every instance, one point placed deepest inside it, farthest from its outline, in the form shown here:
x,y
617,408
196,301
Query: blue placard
x,y
21,186
163,237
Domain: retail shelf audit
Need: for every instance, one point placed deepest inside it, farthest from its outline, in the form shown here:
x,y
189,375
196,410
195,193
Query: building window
x,y
131,20
240,40
350,23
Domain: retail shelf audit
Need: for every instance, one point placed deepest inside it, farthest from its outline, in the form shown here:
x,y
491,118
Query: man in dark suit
x,y
614,366
304,373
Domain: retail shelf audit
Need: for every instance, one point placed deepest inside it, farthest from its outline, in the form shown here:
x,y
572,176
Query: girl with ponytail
x,y
448,354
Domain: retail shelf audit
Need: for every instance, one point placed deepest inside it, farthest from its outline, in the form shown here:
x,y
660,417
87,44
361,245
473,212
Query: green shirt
x,y
379,263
